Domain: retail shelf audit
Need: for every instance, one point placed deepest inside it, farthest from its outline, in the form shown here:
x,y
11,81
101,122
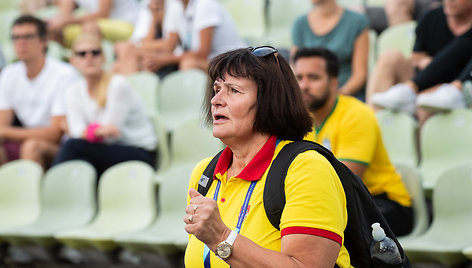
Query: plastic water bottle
x,y
383,248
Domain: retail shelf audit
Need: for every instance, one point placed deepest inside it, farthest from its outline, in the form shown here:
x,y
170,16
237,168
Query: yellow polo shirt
x,y
315,202
352,133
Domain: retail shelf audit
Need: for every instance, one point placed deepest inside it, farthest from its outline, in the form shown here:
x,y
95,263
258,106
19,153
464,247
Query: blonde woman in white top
x,y
106,119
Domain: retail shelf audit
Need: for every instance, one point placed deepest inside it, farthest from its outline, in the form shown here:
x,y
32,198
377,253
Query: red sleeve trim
x,y
313,231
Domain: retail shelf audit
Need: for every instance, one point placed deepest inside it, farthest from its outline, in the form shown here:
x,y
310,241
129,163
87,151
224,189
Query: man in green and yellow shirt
x,y
350,130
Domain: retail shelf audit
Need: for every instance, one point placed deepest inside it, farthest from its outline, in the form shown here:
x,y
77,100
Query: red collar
x,y
258,165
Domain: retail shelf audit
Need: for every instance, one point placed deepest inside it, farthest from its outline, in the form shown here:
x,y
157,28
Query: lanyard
x,y
242,214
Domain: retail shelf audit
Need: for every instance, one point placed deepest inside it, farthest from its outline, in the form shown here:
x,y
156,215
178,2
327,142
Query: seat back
x,y
452,197
399,37
68,195
191,142
249,17
146,84
412,180
181,96
399,136
126,197
281,16
19,192
444,143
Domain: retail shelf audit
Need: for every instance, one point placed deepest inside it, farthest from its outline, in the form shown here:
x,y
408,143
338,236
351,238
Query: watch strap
x,y
232,237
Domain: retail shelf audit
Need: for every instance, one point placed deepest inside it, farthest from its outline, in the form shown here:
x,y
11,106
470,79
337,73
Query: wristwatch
x,y
225,248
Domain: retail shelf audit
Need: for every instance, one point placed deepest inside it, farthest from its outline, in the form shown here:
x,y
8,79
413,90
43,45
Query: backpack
x,y
361,208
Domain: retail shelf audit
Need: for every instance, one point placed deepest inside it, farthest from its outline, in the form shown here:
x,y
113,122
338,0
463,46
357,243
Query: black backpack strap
x,y
207,177
274,189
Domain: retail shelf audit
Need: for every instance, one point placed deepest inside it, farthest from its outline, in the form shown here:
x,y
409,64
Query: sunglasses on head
x,y
93,52
264,51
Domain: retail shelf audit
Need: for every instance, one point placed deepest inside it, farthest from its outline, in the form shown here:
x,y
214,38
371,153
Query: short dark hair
x,y
28,19
280,108
332,62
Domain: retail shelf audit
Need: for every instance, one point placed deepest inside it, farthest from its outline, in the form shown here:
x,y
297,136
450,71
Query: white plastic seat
x,y
67,201
444,143
19,193
127,203
399,136
400,37
411,177
181,97
167,234
450,230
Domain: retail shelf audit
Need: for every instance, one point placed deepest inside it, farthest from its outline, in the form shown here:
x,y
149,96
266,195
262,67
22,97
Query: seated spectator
x,y
350,130
440,55
342,31
32,89
203,28
130,55
106,119
113,19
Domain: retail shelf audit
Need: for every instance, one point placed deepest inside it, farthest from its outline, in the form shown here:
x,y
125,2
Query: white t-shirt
x,y
198,15
126,10
35,101
124,109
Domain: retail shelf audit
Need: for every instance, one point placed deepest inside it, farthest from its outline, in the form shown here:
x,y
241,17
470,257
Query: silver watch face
x,y
223,250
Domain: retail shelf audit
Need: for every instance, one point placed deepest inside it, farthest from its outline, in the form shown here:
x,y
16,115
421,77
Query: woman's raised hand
x,y
203,220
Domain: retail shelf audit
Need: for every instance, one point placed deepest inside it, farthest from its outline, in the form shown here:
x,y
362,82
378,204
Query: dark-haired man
x,y
31,89
350,130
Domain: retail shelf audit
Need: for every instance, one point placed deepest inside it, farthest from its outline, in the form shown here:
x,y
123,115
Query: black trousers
x,y
102,156
399,218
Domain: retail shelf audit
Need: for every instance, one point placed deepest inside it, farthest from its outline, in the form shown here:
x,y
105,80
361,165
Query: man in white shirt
x,y
32,89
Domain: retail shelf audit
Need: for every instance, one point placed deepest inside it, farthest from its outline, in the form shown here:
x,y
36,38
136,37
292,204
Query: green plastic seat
x,y
192,141
281,16
181,97
126,203
7,16
67,201
400,37
444,143
411,177
372,55
19,193
147,85
167,233
399,136
450,230
249,17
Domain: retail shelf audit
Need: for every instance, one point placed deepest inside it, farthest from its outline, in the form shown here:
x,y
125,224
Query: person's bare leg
x,y
391,68
127,58
40,151
193,62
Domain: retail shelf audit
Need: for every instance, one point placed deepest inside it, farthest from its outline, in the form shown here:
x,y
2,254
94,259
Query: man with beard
x,y
350,130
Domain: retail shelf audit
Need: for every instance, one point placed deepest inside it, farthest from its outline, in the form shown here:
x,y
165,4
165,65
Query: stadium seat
x,y
67,201
19,193
181,97
372,57
249,17
167,234
127,203
147,85
450,230
281,16
412,179
109,52
399,136
10,5
7,16
191,142
399,37
444,143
